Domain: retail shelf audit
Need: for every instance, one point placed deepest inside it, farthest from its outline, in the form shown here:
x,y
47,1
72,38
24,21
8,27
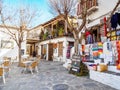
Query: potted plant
x,y
61,32
53,34
44,36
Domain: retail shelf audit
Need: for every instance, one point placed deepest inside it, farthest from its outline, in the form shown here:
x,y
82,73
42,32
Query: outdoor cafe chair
x,y
10,60
25,63
33,66
13,59
6,66
29,65
22,65
6,63
38,59
2,74
5,58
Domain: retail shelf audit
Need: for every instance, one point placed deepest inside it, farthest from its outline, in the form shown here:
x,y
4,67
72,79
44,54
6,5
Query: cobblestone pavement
x,y
51,76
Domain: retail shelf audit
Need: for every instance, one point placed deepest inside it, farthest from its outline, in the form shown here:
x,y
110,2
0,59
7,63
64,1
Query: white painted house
x,y
8,47
52,43
98,12
49,40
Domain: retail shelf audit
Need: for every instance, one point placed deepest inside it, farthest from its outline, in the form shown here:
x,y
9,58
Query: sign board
x,y
75,66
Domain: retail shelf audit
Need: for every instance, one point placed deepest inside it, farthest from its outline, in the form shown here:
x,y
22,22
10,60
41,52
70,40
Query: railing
x,y
32,36
56,36
91,3
37,36
86,5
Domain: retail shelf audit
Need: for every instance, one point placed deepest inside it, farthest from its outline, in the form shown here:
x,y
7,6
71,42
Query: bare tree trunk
x,y
76,46
19,54
76,37
66,27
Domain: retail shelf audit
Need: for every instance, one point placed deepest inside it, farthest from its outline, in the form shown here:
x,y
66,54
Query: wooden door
x,y
36,49
41,51
30,50
50,52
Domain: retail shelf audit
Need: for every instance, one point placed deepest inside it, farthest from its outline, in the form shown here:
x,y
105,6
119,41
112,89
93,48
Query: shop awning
x,y
93,23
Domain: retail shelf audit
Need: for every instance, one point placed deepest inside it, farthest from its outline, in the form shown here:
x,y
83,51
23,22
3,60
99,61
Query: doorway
x,y
50,51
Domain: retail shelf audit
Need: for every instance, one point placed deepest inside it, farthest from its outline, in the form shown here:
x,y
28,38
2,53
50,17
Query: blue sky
x,y
41,5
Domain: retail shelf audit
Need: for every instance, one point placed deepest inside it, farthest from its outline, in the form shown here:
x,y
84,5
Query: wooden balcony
x,y
90,5
32,41
49,37
32,38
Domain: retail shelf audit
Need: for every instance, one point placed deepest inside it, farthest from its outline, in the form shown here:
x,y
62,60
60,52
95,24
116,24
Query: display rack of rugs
x,y
100,48
97,49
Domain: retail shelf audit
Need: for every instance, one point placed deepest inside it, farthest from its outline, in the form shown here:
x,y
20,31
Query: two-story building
x,y
102,38
98,29
53,40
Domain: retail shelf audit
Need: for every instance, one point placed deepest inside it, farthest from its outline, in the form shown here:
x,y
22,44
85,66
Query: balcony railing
x,y
90,5
55,36
48,35
33,36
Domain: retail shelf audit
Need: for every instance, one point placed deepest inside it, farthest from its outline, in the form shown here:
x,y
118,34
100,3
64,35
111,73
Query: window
x,y
7,44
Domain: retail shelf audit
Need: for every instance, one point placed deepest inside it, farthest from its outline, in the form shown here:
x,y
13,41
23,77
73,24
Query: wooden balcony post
x,y
65,27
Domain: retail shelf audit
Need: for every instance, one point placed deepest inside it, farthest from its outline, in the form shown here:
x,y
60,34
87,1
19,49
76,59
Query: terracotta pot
x,y
118,66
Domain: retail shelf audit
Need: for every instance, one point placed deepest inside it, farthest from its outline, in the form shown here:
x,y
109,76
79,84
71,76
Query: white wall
x,y
104,7
56,40
111,80
7,51
11,52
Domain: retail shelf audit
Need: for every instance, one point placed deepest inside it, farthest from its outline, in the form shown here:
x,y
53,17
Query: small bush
x,y
82,72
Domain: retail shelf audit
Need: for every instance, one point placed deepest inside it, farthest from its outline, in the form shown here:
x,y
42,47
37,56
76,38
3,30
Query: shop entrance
x,y
43,51
50,51
96,35
30,49
60,49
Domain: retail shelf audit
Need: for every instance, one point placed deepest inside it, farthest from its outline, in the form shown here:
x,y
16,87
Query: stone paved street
x,y
51,76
